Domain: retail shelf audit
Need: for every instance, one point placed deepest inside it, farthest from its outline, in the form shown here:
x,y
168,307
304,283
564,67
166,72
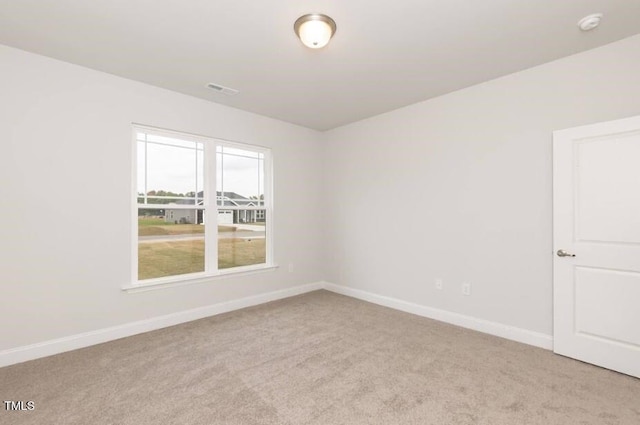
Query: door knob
x,y
563,253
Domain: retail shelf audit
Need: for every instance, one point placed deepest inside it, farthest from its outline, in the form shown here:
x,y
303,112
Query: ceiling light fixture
x,y
590,22
315,30
222,89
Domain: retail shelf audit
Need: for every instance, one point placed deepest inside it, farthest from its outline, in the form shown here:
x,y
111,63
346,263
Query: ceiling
x,y
385,54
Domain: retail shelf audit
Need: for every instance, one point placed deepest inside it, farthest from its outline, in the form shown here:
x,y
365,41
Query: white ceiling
x,y
385,54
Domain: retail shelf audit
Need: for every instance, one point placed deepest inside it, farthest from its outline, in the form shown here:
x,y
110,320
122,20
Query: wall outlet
x,y
466,288
290,267
439,284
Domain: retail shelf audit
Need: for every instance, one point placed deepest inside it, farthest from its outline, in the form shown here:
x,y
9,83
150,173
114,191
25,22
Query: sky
x,y
173,168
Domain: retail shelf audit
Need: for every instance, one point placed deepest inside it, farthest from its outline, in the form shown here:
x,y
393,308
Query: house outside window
x,y
203,206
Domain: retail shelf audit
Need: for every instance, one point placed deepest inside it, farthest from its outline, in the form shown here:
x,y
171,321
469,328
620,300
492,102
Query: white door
x,y
596,217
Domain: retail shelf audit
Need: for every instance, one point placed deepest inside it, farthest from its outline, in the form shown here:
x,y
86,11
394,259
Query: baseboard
x,y
536,339
86,339
74,342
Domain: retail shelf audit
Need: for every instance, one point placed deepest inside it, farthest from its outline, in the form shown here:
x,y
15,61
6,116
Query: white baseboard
x,y
536,339
86,339
74,342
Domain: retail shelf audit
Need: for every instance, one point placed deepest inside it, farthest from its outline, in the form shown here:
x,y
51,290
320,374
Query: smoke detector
x,y
222,89
590,22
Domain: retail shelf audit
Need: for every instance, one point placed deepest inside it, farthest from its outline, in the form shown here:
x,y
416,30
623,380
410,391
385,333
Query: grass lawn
x,y
150,221
158,227
170,258
222,229
151,226
240,252
181,257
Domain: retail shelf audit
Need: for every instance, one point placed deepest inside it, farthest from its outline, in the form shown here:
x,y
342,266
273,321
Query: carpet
x,y
322,359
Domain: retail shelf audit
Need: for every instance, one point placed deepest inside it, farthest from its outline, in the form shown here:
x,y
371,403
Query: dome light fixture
x,y
315,30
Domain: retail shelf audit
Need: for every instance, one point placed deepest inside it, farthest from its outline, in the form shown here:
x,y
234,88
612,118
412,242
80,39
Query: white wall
x,y
459,187
65,178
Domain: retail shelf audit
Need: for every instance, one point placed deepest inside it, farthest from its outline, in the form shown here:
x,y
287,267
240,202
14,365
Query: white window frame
x,y
210,217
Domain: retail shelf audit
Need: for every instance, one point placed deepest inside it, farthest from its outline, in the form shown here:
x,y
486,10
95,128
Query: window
x,y
202,206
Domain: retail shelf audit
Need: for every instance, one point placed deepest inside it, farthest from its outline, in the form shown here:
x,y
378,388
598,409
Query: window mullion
x,y
268,206
146,169
211,209
134,209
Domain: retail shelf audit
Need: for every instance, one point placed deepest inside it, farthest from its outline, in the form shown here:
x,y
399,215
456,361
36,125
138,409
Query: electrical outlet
x,y
466,288
290,267
439,284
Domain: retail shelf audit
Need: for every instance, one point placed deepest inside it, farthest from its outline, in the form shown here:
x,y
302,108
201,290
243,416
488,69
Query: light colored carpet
x,y
318,358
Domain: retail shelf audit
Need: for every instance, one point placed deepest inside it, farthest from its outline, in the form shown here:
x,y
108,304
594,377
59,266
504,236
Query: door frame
x,y
563,216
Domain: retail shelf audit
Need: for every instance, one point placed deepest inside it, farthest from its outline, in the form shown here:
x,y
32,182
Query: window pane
x,y
241,238
219,165
170,171
240,188
200,175
142,161
170,242
241,176
240,179
240,152
170,238
170,141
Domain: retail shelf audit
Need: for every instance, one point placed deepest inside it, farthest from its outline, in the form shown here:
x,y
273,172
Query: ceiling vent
x,y
222,89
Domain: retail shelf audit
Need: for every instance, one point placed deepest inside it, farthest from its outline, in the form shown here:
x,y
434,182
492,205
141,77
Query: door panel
x,y
595,301
597,219
607,185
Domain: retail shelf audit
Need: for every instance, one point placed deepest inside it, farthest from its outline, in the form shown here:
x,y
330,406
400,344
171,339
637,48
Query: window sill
x,y
174,281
